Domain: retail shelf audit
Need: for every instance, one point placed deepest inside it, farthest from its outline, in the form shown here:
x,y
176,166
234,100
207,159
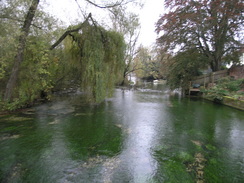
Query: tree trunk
x,y
124,75
216,65
20,51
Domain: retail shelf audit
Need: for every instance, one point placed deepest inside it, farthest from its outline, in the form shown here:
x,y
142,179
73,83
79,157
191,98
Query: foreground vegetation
x,y
43,56
226,87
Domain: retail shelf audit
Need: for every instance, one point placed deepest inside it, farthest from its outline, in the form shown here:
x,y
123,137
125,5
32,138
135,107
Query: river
x,y
147,135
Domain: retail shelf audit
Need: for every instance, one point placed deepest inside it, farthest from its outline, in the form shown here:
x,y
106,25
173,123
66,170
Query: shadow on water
x,y
143,135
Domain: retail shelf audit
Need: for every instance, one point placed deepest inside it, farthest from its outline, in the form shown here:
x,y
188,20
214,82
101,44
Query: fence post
x,y
189,91
211,77
204,83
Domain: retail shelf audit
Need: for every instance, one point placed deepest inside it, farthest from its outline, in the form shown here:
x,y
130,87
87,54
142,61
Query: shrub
x,y
225,87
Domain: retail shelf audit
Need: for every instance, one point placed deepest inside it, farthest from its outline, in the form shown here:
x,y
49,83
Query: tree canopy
x,y
42,57
214,27
99,56
183,67
126,23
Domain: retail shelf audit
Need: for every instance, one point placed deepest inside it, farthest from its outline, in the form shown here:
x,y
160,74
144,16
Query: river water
x,y
147,135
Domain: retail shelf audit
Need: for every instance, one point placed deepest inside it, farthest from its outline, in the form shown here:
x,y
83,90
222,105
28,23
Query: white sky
x,y
68,11
149,15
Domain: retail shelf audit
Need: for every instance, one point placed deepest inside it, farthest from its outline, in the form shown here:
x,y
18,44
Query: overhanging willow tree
x,y
98,55
11,81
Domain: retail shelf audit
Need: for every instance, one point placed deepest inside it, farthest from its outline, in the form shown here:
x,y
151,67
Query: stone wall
x,y
238,104
237,72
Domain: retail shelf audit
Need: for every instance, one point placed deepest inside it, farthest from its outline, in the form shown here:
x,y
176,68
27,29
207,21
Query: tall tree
x,y
183,67
212,26
149,64
142,62
127,23
20,52
25,29
99,56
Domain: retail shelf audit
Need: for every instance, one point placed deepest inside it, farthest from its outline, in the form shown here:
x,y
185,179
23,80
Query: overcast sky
x,y
149,16
68,11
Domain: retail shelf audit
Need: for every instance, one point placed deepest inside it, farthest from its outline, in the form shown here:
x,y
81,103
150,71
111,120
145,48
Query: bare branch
x,y
18,20
68,32
107,6
80,8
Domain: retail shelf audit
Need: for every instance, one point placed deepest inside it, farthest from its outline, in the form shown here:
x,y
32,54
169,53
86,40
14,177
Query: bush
x,y
226,87
235,85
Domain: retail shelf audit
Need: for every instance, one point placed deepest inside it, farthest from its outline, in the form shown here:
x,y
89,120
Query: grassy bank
x,y
227,91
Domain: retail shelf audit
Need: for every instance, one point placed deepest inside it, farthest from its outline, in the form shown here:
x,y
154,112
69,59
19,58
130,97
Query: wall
x,y
209,78
237,72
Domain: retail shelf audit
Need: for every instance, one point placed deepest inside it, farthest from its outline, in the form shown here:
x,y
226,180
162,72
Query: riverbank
x,y
227,91
228,101
232,102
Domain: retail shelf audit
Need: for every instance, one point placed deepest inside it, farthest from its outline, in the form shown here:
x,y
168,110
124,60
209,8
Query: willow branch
x,y
68,32
106,6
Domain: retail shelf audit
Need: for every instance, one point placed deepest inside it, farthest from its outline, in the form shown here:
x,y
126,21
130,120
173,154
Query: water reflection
x,y
140,133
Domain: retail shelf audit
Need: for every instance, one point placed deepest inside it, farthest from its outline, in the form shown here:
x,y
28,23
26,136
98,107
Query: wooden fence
x,y
206,79
209,78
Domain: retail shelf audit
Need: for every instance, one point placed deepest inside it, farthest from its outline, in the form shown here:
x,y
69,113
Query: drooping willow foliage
x,y
98,56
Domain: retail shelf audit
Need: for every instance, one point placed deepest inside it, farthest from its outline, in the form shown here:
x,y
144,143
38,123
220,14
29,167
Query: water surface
x,y
137,136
